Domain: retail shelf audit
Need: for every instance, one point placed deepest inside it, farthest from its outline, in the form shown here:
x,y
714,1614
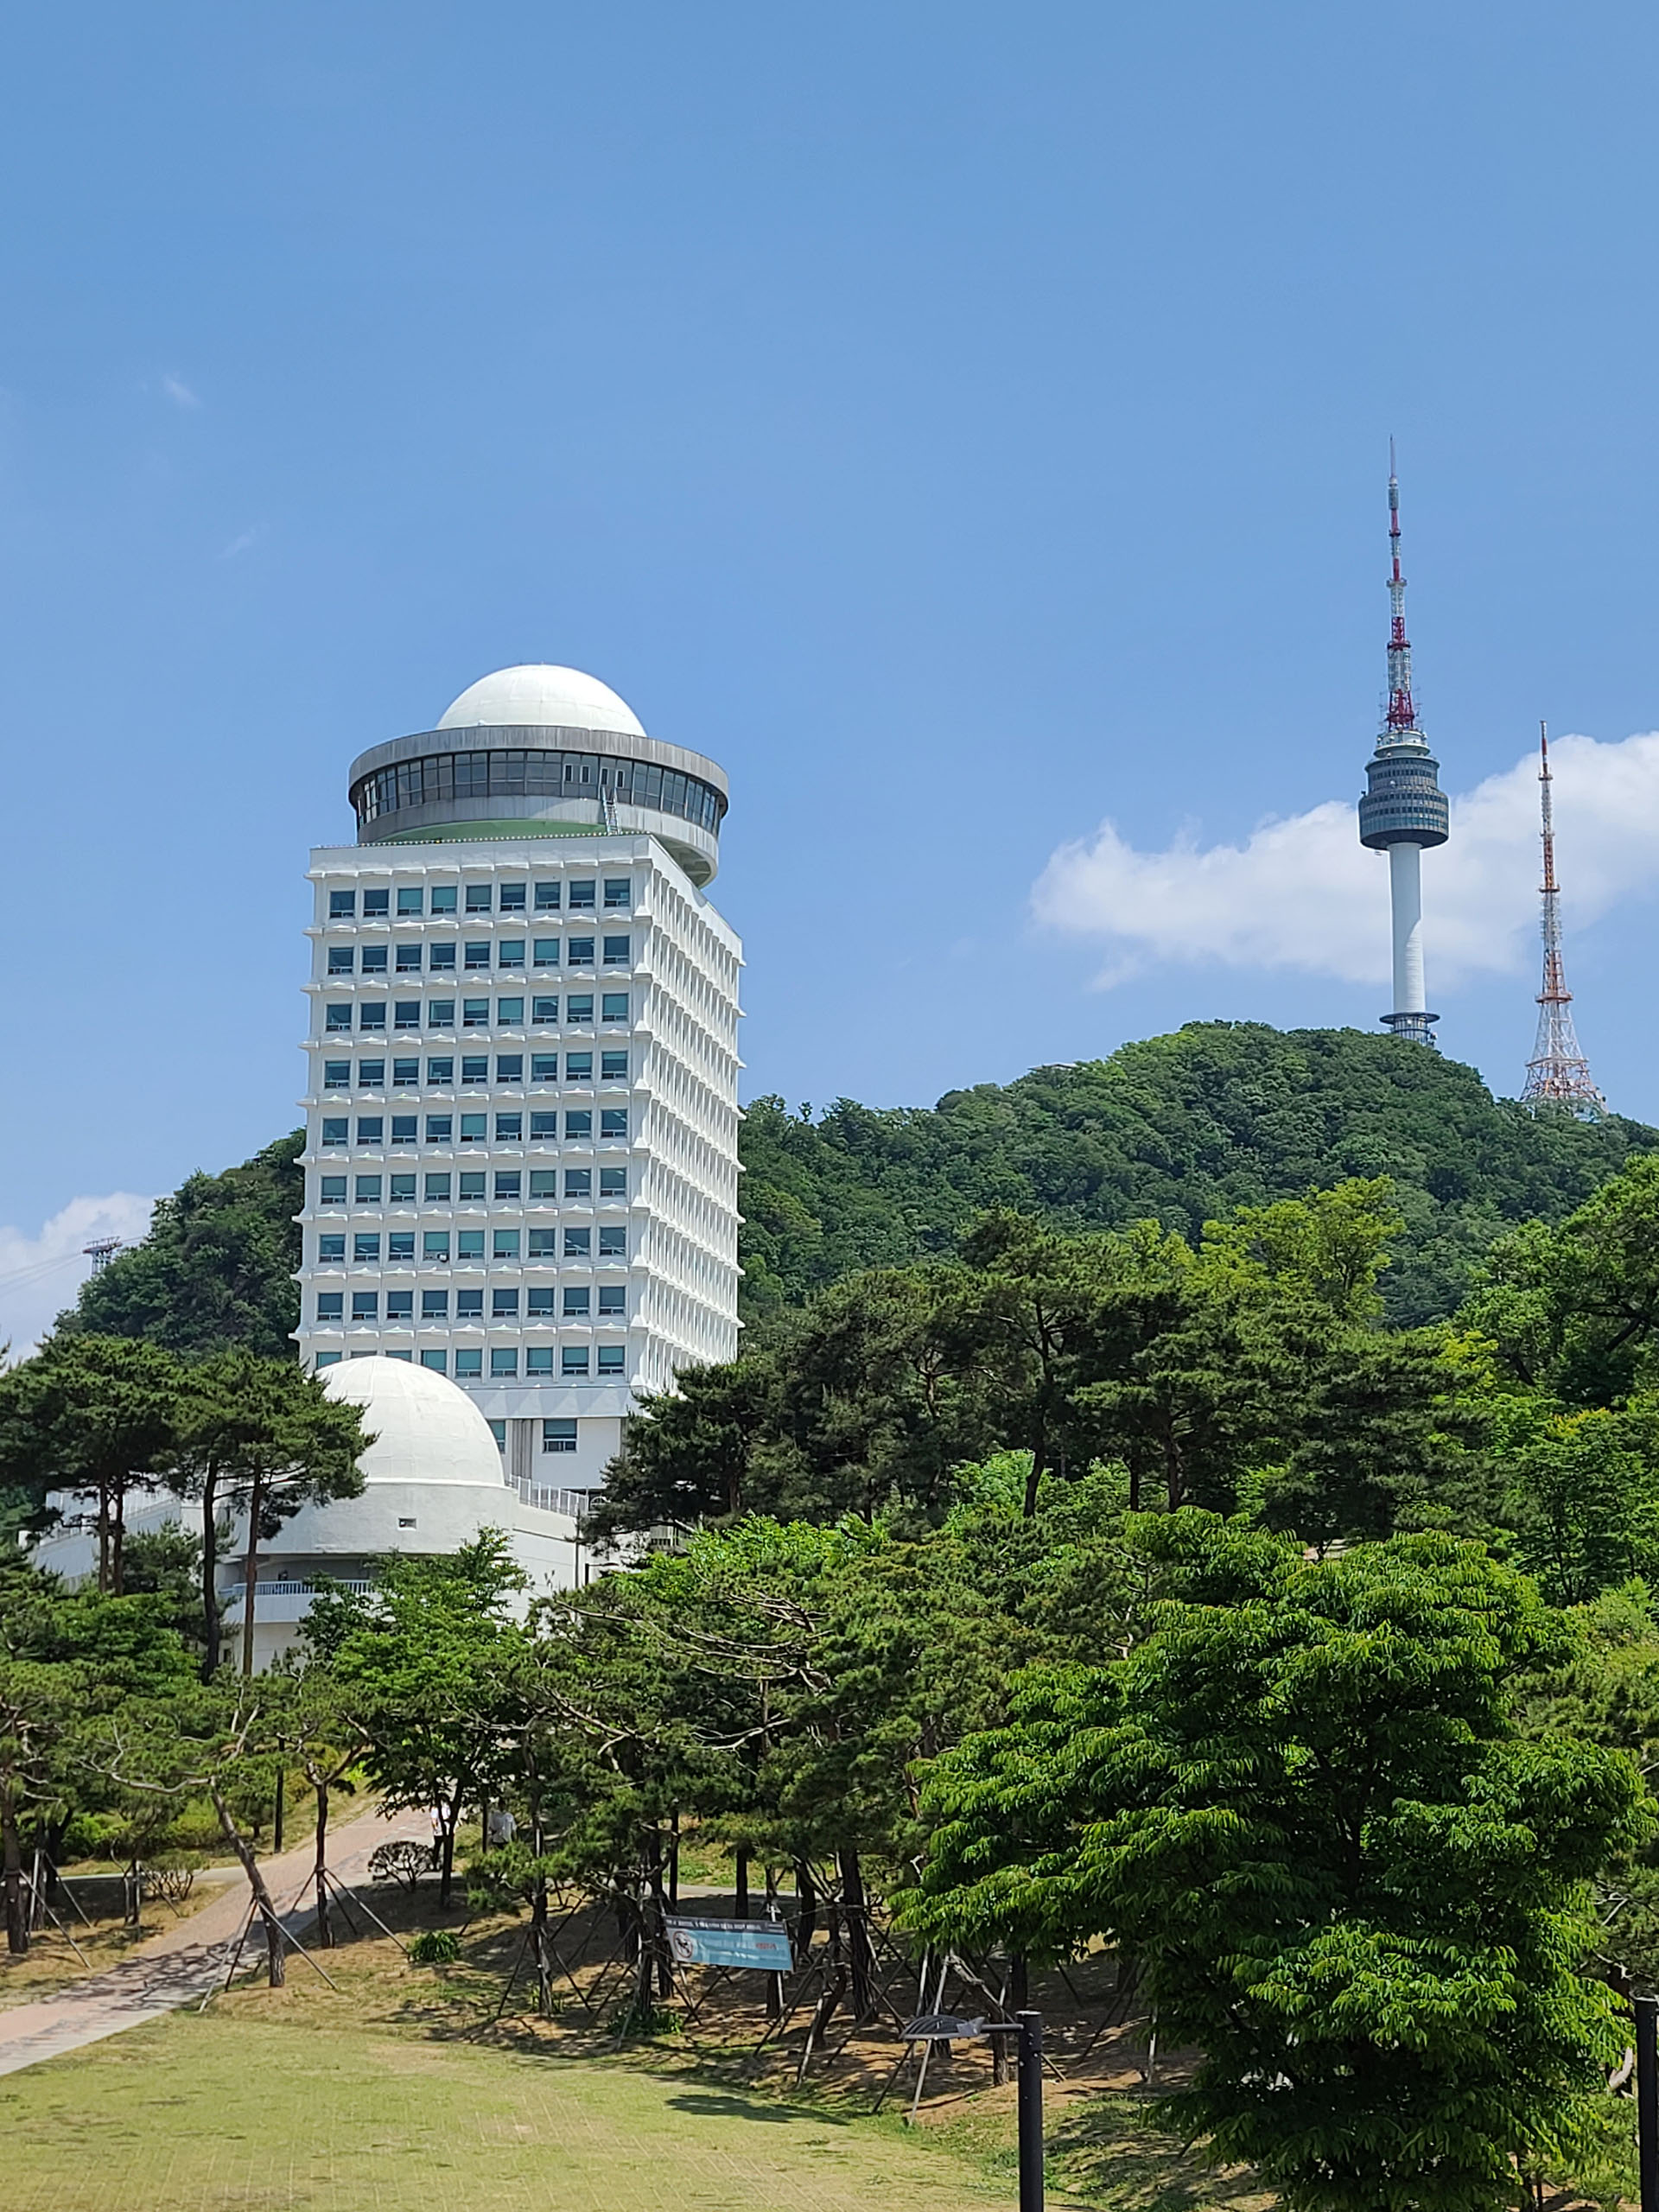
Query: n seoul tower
x,y
1404,808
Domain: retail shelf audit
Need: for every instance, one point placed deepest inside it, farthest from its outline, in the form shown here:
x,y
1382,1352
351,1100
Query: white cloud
x,y
39,1275
239,543
1301,892
178,391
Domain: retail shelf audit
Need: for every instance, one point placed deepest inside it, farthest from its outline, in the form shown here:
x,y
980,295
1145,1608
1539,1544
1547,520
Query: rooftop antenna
x,y
1557,1074
102,1250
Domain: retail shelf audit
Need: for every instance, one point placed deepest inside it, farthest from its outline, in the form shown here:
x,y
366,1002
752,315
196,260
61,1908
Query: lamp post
x,y
946,2027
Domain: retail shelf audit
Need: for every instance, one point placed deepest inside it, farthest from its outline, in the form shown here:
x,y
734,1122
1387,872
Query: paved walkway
x,y
187,1960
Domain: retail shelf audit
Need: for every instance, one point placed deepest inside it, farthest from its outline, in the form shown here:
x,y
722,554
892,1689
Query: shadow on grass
x,y
1115,2149
707,2105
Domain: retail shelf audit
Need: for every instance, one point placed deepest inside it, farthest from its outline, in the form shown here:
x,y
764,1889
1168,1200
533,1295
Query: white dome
x,y
540,695
425,1430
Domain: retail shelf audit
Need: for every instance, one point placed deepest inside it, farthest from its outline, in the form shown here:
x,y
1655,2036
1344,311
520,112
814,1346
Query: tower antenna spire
x,y
1557,1074
1402,708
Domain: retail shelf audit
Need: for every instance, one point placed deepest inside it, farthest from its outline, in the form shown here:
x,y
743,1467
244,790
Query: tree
x,y
1306,1805
92,1414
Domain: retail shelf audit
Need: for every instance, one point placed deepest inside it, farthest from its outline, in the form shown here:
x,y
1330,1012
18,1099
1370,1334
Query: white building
x,y
521,1120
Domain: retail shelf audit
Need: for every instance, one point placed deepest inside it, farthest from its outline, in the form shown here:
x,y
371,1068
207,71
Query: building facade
x,y
521,1116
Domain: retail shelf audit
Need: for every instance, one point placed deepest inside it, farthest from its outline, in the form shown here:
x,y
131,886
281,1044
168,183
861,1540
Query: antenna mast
x,y
1557,1074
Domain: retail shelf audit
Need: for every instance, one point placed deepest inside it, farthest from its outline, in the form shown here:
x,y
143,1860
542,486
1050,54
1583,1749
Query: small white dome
x,y
539,694
425,1430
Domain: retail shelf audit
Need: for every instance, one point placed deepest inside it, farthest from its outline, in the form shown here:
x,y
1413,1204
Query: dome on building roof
x,y
539,694
425,1430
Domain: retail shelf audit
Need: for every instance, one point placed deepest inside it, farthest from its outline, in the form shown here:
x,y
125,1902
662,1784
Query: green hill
x,y
1179,1129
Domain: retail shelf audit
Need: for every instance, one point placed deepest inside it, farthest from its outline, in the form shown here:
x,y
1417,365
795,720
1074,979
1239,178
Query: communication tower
x,y
1557,1074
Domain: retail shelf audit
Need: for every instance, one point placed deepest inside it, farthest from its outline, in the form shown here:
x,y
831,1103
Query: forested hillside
x,y
1179,1129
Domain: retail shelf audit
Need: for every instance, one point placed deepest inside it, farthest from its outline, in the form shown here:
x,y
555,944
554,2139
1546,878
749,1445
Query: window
x,y
581,894
578,1301
370,1129
579,1007
509,1012
475,1068
440,1072
543,1182
374,960
505,1244
334,1128
507,1180
469,1361
474,1127
547,952
331,1191
579,1123
612,1182
437,1188
472,1188
504,1304
469,1245
613,1243
336,1075
544,1244
406,1015
435,1250
400,1306
541,1301
578,1243
578,1183
371,1014
573,1359
367,1193
474,1014
614,1122
469,1306
410,901
406,1075
403,1186
543,1067
331,1250
509,1067
376,902
408,959
539,1360
612,1300
512,898
478,956
405,1127
342,906
547,898
442,959
510,953
544,1009
558,1436
509,1128
613,1359
331,1305
503,1360
366,1246
338,1014
615,1007
339,960
544,1127
371,1074
439,1128
440,1013
498,1431
578,1067
326,1359
617,951
437,1361
618,891
478,898
444,898
365,1305
434,1306
613,1066
400,1247
579,951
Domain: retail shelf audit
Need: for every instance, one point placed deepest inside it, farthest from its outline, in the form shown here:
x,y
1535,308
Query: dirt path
x,y
187,1960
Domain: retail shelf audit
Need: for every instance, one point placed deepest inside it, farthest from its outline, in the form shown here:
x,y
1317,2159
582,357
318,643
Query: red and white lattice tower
x,y
1557,1074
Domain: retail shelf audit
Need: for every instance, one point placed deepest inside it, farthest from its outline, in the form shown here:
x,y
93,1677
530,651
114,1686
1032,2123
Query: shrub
x,y
435,1947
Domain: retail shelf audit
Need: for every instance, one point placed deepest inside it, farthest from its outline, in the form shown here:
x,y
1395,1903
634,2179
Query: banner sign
x,y
763,1944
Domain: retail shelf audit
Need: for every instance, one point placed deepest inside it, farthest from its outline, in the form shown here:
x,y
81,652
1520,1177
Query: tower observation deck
x,y
1404,809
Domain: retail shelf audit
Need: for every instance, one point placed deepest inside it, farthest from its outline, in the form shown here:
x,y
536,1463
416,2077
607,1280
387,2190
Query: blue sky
x,y
968,424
